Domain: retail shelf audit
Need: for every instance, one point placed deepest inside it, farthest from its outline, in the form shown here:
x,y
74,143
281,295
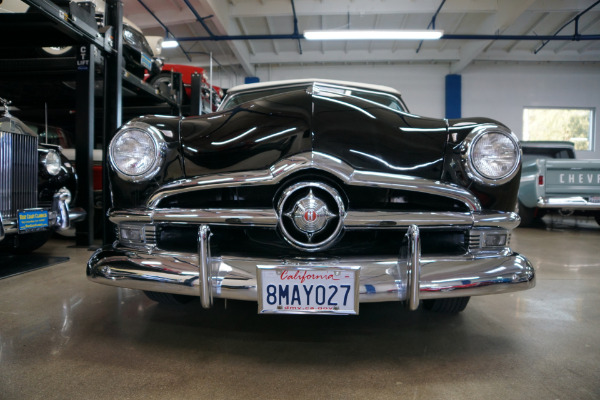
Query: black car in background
x,y
37,184
314,196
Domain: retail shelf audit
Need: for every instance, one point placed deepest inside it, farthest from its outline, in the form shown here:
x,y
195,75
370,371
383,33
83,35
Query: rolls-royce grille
x,y
18,173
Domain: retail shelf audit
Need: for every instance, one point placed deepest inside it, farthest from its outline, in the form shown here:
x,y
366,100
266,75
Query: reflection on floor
x,y
62,336
11,264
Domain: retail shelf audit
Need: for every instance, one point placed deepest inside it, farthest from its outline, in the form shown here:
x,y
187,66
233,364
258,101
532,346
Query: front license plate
x,y
32,220
146,61
310,290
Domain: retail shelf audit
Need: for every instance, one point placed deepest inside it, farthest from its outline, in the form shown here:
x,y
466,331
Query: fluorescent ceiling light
x,y
169,44
373,35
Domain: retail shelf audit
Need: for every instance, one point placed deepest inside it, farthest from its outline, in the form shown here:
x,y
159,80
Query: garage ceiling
x,y
456,17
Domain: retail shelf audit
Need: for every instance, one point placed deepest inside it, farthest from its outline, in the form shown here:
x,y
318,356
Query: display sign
x,y
32,220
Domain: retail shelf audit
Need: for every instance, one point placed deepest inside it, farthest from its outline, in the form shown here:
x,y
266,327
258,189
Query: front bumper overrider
x,y
409,277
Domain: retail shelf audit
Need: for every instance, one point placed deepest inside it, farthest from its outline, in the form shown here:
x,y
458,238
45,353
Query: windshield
x,y
385,99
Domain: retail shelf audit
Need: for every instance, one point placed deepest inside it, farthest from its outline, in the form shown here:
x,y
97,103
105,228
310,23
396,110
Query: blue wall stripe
x,y
453,96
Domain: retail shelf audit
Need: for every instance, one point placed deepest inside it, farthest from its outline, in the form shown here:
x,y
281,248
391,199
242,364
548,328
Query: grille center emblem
x,y
310,214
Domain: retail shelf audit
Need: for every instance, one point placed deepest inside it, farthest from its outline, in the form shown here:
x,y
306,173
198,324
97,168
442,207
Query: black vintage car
x,y
37,184
314,196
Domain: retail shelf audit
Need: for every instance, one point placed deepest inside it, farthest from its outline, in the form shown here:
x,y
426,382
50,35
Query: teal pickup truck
x,y
553,180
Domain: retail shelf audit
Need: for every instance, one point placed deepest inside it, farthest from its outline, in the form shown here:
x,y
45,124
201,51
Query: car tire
x,y
527,214
452,305
26,243
162,83
169,298
56,51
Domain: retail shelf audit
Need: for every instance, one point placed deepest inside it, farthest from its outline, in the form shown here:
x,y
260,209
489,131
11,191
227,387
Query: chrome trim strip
x,y
323,162
231,217
504,220
235,277
353,220
571,203
206,296
396,219
414,267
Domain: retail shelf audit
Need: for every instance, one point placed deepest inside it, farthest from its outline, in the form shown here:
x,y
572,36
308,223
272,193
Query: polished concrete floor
x,y
62,337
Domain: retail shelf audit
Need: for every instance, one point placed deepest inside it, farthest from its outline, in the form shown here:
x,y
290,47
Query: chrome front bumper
x,y
409,277
569,203
59,217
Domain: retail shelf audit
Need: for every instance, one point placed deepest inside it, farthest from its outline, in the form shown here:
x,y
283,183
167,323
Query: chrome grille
x,y
18,173
474,240
150,235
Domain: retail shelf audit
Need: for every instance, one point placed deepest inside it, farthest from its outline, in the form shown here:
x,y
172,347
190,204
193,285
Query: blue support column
x,y
453,96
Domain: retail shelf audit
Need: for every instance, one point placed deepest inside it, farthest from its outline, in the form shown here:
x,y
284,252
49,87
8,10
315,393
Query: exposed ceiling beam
x,y
225,26
244,31
454,28
560,5
359,56
586,47
582,29
530,29
270,30
528,56
554,31
363,7
508,12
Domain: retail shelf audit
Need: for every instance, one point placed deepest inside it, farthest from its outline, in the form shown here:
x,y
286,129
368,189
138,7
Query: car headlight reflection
x,y
491,155
136,152
52,162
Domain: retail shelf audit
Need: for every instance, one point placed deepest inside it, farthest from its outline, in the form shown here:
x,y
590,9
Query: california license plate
x,y
308,290
32,220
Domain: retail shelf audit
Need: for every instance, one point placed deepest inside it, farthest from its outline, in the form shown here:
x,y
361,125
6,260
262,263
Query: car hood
x,y
365,135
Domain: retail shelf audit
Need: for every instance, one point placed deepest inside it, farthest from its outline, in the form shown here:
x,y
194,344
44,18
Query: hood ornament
x,y
5,104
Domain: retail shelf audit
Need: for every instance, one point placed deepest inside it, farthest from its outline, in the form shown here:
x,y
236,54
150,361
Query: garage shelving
x,y
74,87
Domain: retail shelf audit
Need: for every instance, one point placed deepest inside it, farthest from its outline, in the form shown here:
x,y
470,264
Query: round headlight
x,y
136,152
492,155
52,162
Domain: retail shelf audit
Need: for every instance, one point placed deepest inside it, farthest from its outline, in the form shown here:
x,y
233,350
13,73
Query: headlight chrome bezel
x,y
468,147
159,151
52,162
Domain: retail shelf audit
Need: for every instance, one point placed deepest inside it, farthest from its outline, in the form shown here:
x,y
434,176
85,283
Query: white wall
x,y
495,90
501,91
